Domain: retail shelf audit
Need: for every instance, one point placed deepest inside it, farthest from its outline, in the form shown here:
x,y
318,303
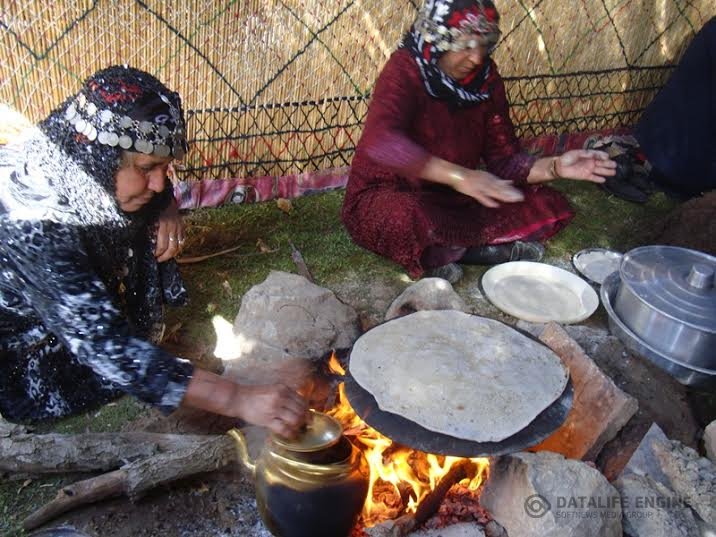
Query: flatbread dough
x,y
458,374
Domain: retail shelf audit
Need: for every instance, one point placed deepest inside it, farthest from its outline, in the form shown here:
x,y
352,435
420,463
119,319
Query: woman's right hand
x,y
274,406
484,187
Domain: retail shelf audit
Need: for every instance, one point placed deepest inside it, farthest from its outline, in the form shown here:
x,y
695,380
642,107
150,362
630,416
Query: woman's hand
x,y
583,165
484,187
170,233
275,407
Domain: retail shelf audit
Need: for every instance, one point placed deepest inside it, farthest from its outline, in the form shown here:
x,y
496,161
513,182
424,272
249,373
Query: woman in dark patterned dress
x,y
438,112
88,230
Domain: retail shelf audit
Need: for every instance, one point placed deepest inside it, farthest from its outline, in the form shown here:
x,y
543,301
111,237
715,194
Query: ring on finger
x,y
172,239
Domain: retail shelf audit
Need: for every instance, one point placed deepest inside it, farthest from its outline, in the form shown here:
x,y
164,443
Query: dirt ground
x,y
221,504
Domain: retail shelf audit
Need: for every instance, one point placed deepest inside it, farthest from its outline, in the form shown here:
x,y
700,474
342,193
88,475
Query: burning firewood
x,y
428,506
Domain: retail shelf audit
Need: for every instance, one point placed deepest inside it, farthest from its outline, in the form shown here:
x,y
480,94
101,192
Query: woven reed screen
x,y
276,87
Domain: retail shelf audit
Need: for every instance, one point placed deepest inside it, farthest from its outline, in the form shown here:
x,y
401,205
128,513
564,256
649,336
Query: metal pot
x,y
311,486
667,298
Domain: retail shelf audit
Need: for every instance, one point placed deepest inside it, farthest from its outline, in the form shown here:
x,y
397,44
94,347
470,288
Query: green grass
x,y
313,226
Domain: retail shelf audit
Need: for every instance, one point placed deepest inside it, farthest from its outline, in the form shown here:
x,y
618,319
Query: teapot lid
x,y
676,282
321,431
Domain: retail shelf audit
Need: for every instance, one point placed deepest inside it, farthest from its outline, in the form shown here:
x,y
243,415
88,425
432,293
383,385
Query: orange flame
x,y
399,477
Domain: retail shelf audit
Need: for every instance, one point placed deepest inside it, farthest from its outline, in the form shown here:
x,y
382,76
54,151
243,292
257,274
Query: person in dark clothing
x,y
88,230
677,131
676,134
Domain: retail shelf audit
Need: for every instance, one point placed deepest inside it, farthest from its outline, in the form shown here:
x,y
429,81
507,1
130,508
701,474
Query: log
x,y
136,478
33,454
429,505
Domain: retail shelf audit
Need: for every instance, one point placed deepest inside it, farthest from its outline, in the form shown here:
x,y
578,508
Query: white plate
x,y
596,264
539,293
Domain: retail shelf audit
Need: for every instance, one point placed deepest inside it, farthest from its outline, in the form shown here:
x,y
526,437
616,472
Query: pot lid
x,y
676,282
321,431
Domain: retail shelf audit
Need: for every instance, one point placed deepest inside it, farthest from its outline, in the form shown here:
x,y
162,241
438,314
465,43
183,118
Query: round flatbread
x,y
458,374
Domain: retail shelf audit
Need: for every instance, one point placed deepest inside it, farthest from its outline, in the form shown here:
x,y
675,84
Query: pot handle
x,y
241,447
701,277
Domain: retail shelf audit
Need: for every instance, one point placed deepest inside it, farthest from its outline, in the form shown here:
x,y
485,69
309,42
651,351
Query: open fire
x,y
400,478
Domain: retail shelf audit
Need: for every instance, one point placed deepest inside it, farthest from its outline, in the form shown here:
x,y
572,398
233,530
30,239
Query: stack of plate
x,y
662,305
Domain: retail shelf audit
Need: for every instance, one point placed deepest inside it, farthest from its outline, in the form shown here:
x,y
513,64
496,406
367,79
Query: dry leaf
x,y
24,484
262,246
227,288
210,307
173,332
201,489
285,205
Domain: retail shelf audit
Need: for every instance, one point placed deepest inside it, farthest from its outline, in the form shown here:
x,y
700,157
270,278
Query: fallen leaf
x,y
227,288
285,205
201,489
262,246
24,484
210,307
173,332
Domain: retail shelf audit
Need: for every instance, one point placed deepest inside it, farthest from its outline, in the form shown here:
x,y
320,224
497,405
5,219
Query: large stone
x,y
644,462
692,477
456,530
538,494
710,441
426,294
284,318
705,530
600,409
649,509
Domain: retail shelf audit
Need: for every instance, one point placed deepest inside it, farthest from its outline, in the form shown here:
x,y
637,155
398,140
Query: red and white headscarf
x,y
453,25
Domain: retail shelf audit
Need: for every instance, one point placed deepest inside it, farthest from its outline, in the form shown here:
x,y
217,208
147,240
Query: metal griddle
x,y
410,434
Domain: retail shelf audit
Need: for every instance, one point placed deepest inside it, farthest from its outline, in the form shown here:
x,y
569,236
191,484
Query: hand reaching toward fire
x,y
274,406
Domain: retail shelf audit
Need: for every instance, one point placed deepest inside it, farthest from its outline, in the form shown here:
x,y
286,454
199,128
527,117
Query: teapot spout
x,y
242,448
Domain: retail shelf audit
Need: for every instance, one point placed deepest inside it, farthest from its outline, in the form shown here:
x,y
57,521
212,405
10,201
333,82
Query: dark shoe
x,y
625,184
494,254
527,251
624,190
451,272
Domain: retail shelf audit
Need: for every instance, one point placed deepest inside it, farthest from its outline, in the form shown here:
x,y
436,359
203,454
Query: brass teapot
x,y
312,486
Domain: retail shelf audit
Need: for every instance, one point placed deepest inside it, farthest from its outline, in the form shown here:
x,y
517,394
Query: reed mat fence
x,y
276,87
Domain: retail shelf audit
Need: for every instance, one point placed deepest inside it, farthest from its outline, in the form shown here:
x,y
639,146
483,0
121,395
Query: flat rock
x,y
426,294
644,462
600,409
692,477
456,530
286,317
538,494
710,441
649,509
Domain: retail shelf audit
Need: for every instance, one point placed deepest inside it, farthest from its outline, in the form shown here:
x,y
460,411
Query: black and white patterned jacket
x,y
78,281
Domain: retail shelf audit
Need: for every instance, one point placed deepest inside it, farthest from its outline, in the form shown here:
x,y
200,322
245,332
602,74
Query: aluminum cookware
x,y
698,378
667,298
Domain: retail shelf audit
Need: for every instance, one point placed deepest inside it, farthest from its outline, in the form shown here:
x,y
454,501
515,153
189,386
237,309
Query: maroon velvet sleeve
x,y
385,138
503,156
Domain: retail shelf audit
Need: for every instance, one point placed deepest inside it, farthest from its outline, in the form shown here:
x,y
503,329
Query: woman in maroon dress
x,y
438,113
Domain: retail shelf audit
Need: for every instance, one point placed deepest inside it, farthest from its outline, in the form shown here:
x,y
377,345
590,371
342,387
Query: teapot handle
x,y
241,447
